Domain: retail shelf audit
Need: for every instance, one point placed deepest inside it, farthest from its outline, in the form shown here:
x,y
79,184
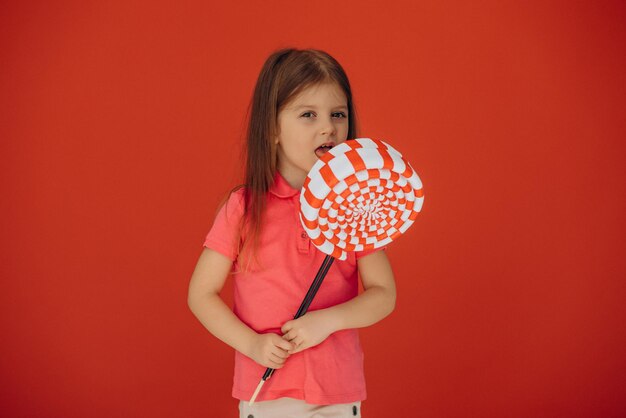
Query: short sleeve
x,y
359,254
223,234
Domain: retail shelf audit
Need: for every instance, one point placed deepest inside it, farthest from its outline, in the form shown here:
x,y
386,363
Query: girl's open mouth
x,y
322,150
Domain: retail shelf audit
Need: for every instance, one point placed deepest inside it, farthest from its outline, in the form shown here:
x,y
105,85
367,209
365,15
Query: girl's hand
x,y
270,350
307,331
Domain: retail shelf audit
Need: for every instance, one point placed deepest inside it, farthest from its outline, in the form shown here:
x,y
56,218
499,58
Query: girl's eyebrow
x,y
315,107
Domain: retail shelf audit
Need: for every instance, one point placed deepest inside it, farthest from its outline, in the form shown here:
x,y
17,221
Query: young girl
x,y
302,106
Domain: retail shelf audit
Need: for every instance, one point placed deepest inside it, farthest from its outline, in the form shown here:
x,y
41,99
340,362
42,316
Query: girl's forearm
x,y
220,321
366,309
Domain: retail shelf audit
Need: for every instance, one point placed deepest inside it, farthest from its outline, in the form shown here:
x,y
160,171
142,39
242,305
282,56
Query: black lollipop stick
x,y
304,306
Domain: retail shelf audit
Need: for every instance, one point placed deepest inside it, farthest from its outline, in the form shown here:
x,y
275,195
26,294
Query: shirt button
x,y
303,234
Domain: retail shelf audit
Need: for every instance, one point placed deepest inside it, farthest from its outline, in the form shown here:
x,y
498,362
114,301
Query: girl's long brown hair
x,y
285,73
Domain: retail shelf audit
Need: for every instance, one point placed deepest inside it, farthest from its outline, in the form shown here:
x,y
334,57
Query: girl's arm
x,y
376,302
209,276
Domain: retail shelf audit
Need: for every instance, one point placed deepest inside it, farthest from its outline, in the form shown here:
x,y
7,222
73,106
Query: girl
x,y
301,107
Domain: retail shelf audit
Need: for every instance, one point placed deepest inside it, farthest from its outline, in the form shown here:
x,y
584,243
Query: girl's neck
x,y
294,180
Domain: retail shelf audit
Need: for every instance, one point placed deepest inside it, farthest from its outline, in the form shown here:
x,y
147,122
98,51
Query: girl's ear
x,y
276,133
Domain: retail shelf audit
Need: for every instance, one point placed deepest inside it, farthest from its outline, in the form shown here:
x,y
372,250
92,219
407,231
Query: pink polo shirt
x,y
266,298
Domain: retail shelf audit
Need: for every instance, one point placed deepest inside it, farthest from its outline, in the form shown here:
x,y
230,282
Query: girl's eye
x,y
335,115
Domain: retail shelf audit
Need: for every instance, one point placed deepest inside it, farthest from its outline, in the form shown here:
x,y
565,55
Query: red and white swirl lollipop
x,y
362,194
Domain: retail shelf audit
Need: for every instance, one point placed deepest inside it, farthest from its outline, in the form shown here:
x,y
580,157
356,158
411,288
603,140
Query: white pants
x,y
297,408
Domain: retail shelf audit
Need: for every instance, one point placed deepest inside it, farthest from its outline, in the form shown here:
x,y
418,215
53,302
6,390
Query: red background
x,y
121,127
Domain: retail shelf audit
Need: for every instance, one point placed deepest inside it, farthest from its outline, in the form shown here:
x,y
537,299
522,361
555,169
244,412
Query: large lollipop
x,y
360,195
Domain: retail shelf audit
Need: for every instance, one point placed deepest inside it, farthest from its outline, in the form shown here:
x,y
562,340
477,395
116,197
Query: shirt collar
x,y
281,188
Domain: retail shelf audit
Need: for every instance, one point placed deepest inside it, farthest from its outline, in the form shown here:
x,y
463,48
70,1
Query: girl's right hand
x,y
270,350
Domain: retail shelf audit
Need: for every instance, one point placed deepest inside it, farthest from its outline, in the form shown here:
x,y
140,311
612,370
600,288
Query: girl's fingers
x,y
297,346
277,359
284,344
274,365
296,350
291,336
286,327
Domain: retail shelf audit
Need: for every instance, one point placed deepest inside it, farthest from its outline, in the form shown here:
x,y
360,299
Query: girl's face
x,y
308,126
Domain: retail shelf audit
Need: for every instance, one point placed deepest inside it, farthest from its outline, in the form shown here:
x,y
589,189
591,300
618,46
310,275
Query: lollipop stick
x,y
304,306
256,391
328,261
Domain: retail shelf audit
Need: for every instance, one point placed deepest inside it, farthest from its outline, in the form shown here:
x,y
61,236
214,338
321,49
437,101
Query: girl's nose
x,y
329,127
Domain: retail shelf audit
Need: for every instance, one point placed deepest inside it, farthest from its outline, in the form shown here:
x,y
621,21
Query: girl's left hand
x,y
307,331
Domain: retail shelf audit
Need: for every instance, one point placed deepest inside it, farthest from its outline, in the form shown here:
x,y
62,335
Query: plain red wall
x,y
121,125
